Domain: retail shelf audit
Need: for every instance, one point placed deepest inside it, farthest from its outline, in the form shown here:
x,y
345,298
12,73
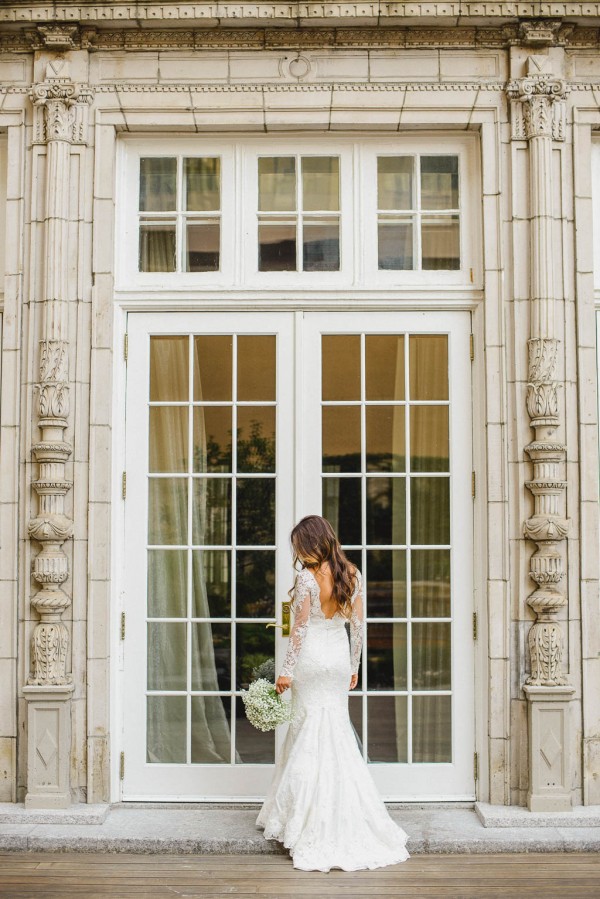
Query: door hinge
x,y
475,631
471,347
124,484
473,484
122,767
122,625
125,346
475,766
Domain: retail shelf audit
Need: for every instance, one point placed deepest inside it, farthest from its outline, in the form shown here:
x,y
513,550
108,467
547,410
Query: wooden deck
x,y
123,876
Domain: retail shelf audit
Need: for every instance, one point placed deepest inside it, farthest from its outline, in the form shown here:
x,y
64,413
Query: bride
x,y
323,804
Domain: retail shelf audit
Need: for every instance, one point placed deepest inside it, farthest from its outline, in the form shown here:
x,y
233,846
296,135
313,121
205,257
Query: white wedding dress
x,y
323,804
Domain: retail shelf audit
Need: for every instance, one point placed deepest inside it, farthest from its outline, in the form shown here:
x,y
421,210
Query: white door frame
x,y
391,779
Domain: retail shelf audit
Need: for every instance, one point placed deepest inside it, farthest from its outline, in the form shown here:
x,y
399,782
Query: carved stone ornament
x,y
546,650
538,107
60,106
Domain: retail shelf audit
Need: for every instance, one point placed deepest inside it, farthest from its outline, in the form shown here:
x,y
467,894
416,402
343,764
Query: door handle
x,y
285,619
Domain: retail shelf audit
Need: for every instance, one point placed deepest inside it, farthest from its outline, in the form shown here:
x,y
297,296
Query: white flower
x,y
265,708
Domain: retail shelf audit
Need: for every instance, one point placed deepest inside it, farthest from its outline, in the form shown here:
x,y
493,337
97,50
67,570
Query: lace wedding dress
x,y
323,804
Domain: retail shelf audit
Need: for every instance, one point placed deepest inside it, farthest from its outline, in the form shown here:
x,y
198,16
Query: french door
x,y
237,425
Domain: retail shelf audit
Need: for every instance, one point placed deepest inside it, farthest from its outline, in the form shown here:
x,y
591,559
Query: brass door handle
x,y
285,619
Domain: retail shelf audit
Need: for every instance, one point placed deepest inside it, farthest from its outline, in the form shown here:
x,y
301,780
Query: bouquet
x,y
265,708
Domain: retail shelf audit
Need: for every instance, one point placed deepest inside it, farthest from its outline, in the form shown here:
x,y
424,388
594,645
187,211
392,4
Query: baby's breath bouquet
x,y
265,708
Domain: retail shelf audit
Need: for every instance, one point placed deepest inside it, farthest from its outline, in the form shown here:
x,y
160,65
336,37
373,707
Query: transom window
x,y
418,212
298,219
332,211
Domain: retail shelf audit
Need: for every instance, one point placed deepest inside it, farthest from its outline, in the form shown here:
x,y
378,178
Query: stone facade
x,y
525,79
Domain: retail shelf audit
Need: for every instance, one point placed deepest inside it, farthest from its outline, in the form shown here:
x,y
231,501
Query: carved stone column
x,y
538,116
60,107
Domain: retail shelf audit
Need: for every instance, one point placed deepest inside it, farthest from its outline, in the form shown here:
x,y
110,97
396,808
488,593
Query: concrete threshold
x,y
225,830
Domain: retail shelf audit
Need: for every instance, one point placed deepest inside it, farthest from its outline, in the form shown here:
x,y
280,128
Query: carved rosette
x,y
59,109
538,116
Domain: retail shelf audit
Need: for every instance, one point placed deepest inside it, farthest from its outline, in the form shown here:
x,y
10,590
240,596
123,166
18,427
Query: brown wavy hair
x,y
314,542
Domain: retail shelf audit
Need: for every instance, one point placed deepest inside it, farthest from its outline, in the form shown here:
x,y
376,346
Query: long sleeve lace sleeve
x,y
301,610
357,624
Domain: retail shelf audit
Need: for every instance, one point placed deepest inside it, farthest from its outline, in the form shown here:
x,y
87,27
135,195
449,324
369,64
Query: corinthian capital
x,y
60,105
538,102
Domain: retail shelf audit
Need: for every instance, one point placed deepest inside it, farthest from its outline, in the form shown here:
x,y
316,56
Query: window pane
x,y
430,583
386,583
440,243
429,438
432,729
384,364
277,184
355,711
256,511
167,654
341,366
431,655
211,656
169,369
320,183
212,438
388,729
386,511
211,582
166,729
428,367
341,438
167,583
255,645
253,746
430,510
256,438
256,367
212,367
158,184
255,584
211,512
341,507
386,656
439,182
396,246
321,245
203,244
168,439
211,734
385,438
157,246
202,184
277,247
167,511
395,182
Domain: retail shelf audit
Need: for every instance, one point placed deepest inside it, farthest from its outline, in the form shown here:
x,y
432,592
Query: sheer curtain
x,y
173,578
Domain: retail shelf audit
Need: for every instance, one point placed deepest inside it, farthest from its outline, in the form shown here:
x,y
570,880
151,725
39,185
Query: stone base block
x,y
17,813
549,727
516,816
48,746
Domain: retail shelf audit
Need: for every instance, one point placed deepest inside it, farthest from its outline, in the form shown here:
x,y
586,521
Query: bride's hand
x,y
282,684
353,681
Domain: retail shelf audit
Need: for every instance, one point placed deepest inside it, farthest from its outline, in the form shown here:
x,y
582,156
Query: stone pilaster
x,y
538,114
60,108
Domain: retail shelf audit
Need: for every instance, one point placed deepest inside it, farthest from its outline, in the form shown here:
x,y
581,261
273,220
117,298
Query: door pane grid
x,y
411,652
197,668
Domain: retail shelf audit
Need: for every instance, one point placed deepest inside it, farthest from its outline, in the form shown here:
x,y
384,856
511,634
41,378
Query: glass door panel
x,y
207,464
397,491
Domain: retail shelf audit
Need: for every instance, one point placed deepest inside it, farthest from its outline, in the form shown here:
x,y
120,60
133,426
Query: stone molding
x,y
152,11
60,106
537,32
